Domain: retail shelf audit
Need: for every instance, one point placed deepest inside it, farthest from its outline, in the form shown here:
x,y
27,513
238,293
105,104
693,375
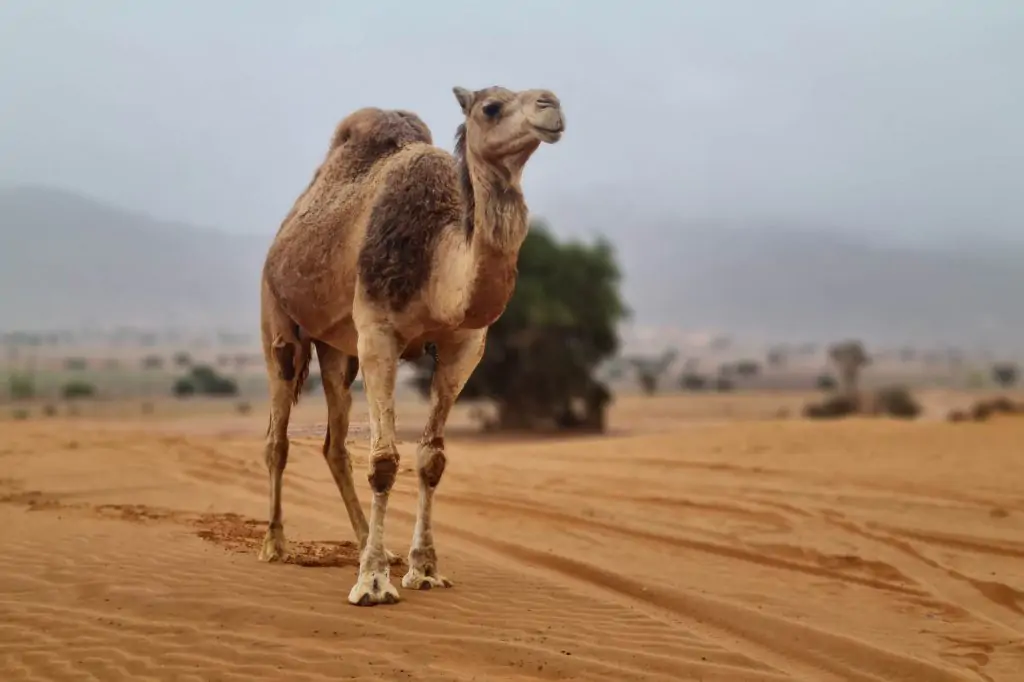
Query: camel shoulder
x,y
418,198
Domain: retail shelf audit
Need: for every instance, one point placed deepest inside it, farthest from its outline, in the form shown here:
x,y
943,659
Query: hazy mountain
x,y
794,284
66,260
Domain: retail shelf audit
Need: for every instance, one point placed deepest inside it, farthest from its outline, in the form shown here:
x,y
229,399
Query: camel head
x,y
505,127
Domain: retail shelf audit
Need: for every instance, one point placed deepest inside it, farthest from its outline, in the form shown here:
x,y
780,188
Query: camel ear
x,y
465,98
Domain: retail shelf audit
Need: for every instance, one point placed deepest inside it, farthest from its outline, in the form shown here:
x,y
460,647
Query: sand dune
x,y
748,550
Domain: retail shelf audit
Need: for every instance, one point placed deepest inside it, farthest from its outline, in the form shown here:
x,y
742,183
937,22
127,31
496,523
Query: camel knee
x,y
383,471
337,455
431,462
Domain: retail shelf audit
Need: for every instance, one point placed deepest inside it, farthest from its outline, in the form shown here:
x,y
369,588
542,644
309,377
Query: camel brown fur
x,y
395,244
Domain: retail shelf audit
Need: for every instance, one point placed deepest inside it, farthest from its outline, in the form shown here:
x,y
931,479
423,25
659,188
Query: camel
x,y
395,244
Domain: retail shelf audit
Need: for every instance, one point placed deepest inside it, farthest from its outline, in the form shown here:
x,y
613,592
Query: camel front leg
x,y
378,355
456,359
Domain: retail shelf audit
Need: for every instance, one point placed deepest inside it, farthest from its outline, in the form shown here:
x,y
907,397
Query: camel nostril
x,y
546,103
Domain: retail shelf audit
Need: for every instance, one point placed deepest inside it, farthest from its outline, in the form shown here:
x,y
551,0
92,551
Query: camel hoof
x,y
373,588
274,546
416,579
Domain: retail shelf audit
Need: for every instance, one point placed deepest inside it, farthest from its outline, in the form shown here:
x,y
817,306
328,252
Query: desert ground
x,y
702,539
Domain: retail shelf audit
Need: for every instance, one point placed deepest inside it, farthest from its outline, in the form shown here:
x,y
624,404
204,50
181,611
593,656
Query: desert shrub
x,y
724,384
981,411
183,388
747,368
77,389
182,359
208,382
204,380
1003,405
896,401
243,407
75,364
1005,374
19,414
21,386
49,410
826,382
832,407
957,416
690,381
151,362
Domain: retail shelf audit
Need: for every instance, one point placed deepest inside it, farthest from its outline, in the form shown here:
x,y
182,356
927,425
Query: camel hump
x,y
371,133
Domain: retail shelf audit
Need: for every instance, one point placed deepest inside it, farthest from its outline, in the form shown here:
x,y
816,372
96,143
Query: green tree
x,y
849,358
1005,374
651,370
561,323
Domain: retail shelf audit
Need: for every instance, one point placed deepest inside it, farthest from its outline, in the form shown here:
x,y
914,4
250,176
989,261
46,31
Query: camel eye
x,y
492,109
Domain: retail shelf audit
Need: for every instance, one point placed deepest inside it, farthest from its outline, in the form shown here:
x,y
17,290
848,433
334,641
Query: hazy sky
x,y
898,117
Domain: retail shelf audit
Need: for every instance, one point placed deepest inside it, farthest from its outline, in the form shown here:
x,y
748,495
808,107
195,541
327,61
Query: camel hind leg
x,y
287,357
338,371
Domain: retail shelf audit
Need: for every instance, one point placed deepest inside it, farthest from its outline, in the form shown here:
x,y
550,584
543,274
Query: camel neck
x,y
499,214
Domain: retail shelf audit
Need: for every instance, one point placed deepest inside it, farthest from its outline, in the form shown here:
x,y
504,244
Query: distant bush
x,y
204,380
182,359
183,388
1003,405
74,390
826,382
21,386
19,414
724,384
981,411
152,362
896,401
1005,374
75,364
833,407
693,382
243,407
49,410
892,401
747,368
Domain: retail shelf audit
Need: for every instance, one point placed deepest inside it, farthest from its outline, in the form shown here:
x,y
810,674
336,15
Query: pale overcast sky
x,y
898,117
